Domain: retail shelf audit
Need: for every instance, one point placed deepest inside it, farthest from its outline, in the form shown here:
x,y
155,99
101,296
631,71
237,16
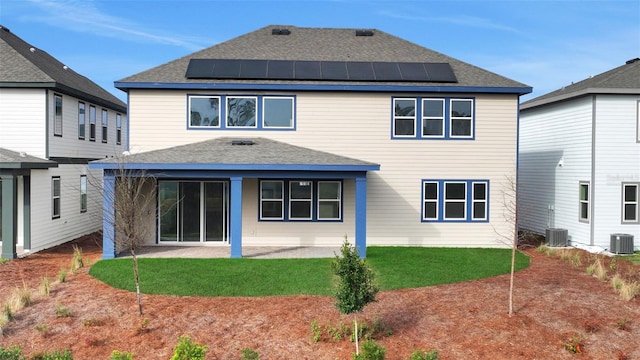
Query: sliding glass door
x,y
193,211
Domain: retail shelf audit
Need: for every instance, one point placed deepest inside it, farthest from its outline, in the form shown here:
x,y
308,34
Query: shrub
x,y
575,259
62,311
20,298
45,286
617,282
426,355
598,270
574,344
624,324
76,261
316,331
43,329
92,322
117,355
62,275
12,353
55,355
629,291
250,354
188,350
371,350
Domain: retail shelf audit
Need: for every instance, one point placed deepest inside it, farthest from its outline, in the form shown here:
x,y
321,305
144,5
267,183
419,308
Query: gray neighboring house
x,y
579,176
53,121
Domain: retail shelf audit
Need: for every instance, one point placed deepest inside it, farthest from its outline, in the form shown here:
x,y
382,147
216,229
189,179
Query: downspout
x,y
593,172
46,124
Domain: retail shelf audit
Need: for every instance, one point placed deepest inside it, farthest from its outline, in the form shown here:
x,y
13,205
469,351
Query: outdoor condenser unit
x,y
556,237
621,244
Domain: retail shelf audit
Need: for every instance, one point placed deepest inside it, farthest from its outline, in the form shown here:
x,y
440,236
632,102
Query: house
x,y
53,121
293,136
580,161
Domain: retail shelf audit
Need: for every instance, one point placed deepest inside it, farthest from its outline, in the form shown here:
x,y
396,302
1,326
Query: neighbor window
x,y
83,193
440,118
105,123
630,203
55,197
118,129
455,200
81,120
241,111
310,200
584,201
92,123
57,116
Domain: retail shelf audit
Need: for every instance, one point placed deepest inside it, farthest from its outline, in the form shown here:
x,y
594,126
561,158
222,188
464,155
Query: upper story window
x,y
118,129
81,120
631,203
57,116
433,118
455,200
294,200
241,112
105,124
92,123
584,202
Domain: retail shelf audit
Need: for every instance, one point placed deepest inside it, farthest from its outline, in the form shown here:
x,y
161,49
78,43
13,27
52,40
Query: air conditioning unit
x,y
621,244
557,237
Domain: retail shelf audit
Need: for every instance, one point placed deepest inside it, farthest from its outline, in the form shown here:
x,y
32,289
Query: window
x,y
81,120
404,117
241,112
329,200
204,111
630,203
584,202
118,129
440,118
277,112
294,200
300,200
105,123
92,123
57,117
455,200
271,200
55,197
83,193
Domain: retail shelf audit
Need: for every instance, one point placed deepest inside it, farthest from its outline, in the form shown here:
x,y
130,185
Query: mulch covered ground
x,y
557,305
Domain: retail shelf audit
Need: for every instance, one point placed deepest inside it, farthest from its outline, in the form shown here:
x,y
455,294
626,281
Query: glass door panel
x,y
190,211
215,211
168,210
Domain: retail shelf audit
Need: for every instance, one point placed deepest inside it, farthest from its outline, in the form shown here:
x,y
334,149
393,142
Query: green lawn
x,y
395,268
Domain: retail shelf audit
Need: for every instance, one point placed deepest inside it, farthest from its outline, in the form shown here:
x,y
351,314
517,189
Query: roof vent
x,y
364,32
32,50
280,31
632,61
242,142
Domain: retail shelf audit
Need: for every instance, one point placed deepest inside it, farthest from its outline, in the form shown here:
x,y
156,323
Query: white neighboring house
x,y
53,121
294,136
580,161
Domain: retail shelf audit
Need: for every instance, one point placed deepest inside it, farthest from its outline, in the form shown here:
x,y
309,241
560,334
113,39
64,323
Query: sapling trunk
x,y
355,325
137,278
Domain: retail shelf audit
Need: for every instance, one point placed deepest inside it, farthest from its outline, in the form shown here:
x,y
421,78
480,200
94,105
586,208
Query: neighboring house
x,y
53,121
580,159
291,136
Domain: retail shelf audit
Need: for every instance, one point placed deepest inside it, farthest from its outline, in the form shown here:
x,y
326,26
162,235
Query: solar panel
x,y
280,70
334,70
319,70
254,69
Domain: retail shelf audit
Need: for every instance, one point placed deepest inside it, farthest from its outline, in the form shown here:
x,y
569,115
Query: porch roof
x,y
236,154
19,160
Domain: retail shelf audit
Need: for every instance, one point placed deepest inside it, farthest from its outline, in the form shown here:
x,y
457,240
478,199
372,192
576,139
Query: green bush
x,y
188,350
11,353
371,350
426,355
55,355
250,354
117,355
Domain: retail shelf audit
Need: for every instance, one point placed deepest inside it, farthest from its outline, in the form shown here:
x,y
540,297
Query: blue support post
x,y
108,216
236,217
361,216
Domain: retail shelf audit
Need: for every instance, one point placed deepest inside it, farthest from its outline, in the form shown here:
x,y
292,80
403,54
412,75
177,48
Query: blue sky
x,y
544,44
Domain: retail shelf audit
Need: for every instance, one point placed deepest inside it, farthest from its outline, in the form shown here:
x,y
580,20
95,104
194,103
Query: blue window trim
x,y
314,205
447,119
469,201
259,113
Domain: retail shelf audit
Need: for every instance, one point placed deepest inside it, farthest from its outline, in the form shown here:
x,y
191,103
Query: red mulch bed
x,y
555,302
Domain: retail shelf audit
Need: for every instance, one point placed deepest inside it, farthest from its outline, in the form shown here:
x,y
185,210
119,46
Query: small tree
x,y
355,288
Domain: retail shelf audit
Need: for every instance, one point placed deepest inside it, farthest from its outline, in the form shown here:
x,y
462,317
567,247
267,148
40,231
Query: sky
x,y
543,44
